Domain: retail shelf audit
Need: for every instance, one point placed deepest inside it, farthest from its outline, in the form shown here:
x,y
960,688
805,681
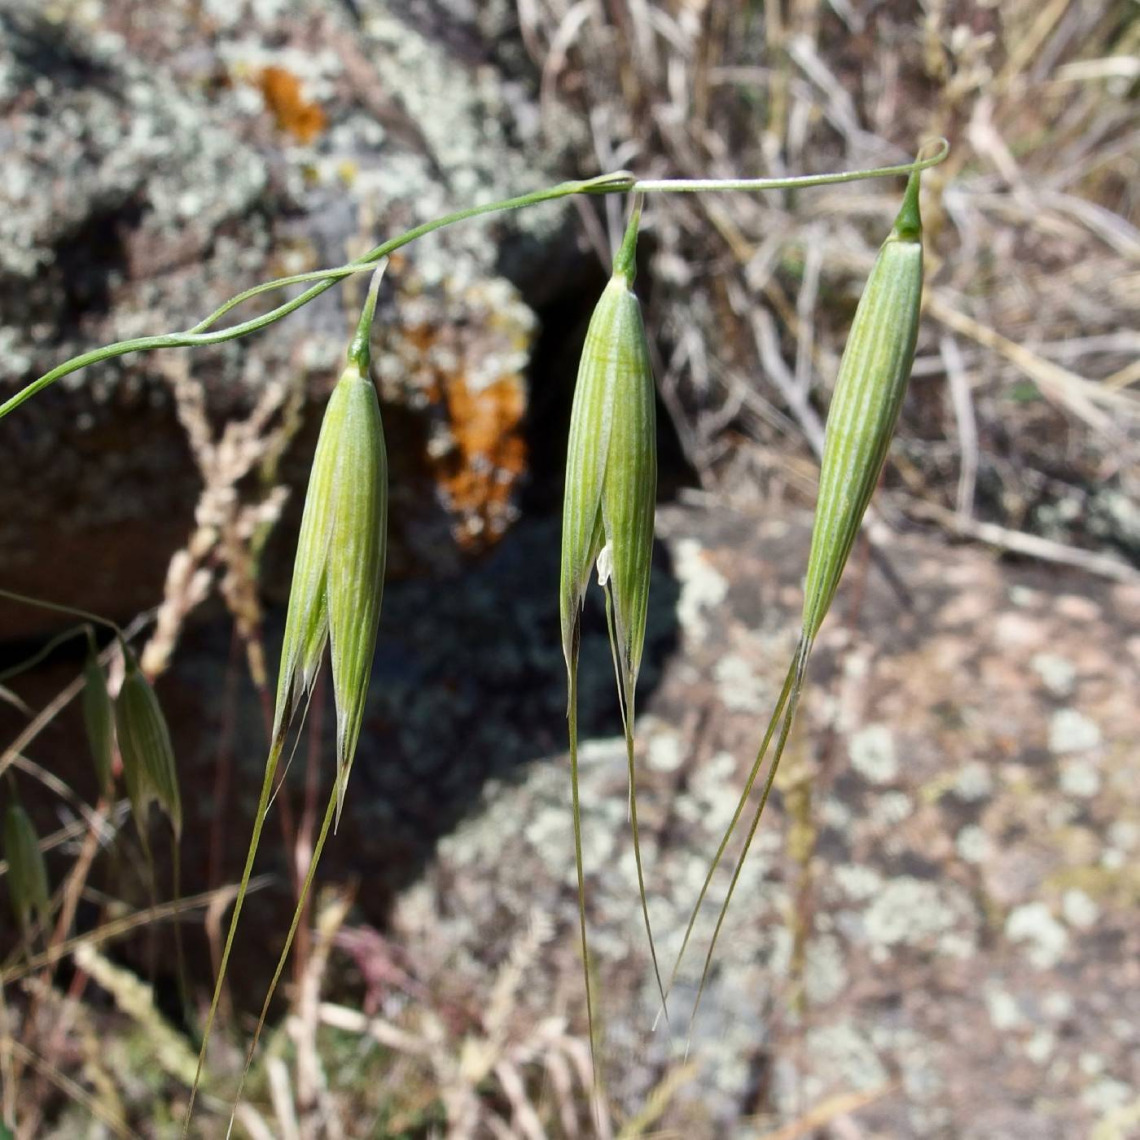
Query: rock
x,y
937,916
156,166
927,918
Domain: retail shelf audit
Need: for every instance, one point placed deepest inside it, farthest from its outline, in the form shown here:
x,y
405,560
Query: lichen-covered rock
x,y
160,158
938,912
937,917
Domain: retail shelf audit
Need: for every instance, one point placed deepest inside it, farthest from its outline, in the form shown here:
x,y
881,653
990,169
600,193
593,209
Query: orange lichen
x,y
459,360
480,474
292,112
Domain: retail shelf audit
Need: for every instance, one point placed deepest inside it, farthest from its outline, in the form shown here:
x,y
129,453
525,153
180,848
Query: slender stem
x,y
614,183
627,689
576,810
71,611
46,651
301,909
280,283
702,185
606,184
625,260
360,350
255,839
773,723
781,743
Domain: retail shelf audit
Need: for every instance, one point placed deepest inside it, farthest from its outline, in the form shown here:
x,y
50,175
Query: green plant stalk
x,y
197,337
626,698
70,611
799,668
781,702
800,181
42,653
869,391
358,363
576,809
302,899
255,839
613,183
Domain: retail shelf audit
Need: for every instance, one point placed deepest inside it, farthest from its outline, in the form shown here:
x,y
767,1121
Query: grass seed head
x,y
99,721
27,874
148,756
607,521
611,468
868,395
338,574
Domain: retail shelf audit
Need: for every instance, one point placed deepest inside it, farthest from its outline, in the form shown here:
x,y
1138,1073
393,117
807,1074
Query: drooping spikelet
x,y
98,720
869,392
149,770
338,580
607,522
27,874
611,468
338,574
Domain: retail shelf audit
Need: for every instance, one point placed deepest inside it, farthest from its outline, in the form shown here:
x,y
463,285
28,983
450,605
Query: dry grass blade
x,y
75,1092
1080,396
119,927
306,888
827,1112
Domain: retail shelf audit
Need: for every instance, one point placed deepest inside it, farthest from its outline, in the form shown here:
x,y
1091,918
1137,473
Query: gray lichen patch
x,y
1044,939
966,928
873,754
1071,731
153,168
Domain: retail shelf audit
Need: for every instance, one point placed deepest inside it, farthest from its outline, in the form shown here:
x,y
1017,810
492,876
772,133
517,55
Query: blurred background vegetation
x,y
159,157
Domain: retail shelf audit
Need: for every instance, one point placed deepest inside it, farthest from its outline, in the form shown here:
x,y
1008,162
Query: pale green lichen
x,y
1057,673
740,689
664,753
857,881
973,844
1072,731
973,781
873,754
1078,909
1003,1008
1108,1095
891,809
825,975
1042,937
1080,779
916,912
843,1053
702,587
1041,1046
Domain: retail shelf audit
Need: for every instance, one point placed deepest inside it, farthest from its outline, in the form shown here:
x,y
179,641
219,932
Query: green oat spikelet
x,y
27,873
869,392
338,575
151,776
868,396
148,756
607,522
98,720
338,579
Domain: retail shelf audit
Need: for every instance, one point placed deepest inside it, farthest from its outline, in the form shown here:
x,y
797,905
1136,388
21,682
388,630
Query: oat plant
x,y
608,514
607,522
873,375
